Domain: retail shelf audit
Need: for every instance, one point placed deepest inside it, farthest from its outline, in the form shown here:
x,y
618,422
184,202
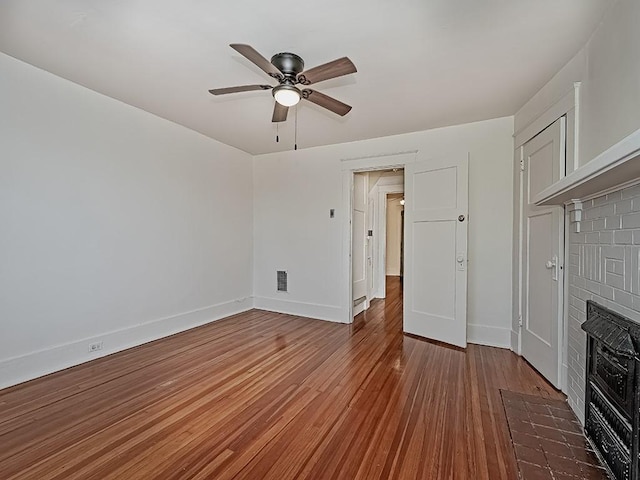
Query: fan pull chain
x,y
295,140
277,132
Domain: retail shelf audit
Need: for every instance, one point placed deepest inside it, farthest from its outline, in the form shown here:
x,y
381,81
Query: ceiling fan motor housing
x,y
289,64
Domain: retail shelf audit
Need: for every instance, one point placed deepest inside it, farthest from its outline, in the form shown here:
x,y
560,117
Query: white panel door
x,y
435,295
359,242
543,236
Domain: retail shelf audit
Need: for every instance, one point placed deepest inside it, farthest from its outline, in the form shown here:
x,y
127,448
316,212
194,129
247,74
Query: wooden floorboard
x,y
264,395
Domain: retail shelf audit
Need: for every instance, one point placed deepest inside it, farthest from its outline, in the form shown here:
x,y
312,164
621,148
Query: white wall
x,y
560,85
293,192
609,69
115,225
394,227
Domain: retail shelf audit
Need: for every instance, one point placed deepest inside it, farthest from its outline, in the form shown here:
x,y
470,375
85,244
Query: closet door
x,y
543,240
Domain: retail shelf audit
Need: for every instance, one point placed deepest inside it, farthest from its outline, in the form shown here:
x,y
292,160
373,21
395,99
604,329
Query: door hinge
x,y
522,164
520,320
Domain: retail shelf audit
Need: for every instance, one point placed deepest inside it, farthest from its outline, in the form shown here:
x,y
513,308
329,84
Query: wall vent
x,y
282,280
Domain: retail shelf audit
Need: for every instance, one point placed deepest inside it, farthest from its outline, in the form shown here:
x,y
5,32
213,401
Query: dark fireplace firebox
x,y
612,403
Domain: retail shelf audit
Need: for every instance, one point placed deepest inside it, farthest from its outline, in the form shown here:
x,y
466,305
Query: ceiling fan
x,y
288,69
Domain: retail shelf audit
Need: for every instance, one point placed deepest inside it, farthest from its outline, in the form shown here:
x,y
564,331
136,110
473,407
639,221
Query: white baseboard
x,y
515,342
489,336
302,309
36,364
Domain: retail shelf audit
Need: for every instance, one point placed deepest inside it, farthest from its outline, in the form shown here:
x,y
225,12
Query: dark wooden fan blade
x,y
330,103
254,56
241,88
337,68
279,113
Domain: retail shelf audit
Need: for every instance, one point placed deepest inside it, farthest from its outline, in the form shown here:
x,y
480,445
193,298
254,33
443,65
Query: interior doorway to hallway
x,y
385,312
436,191
376,233
394,250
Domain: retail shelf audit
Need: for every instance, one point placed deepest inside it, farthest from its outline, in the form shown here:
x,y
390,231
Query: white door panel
x,y
358,245
543,237
436,249
540,231
434,279
541,168
358,251
435,190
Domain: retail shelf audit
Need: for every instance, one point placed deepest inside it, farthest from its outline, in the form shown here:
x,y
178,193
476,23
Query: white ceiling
x,y
421,63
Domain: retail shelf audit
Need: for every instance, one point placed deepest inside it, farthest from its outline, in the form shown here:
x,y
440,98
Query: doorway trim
x,y
349,167
383,196
567,106
551,135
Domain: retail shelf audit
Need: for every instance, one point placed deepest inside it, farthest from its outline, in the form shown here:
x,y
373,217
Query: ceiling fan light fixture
x,y
286,95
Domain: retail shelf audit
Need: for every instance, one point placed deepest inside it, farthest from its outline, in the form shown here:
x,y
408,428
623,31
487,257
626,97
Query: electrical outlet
x,y
94,347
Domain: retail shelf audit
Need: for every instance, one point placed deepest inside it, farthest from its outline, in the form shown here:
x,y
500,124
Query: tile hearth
x,y
548,440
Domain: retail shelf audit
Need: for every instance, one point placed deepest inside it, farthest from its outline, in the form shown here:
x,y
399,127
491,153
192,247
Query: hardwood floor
x,y
270,396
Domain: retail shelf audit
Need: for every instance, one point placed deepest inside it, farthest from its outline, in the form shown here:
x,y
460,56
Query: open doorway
x,y
394,250
376,233
434,297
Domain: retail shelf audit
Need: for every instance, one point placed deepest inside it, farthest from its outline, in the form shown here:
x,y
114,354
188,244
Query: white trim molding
x,y
302,309
349,167
575,214
576,126
371,160
490,336
381,232
515,341
36,364
568,102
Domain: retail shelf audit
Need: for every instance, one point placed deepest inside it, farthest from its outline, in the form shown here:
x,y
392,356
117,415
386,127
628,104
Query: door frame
x,y
562,296
381,231
567,106
364,305
349,167
561,259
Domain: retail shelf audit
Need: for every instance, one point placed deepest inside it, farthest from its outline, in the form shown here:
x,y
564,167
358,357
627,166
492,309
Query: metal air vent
x,y
282,280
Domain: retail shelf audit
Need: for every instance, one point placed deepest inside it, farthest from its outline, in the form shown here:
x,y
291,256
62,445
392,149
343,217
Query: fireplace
x,y
612,403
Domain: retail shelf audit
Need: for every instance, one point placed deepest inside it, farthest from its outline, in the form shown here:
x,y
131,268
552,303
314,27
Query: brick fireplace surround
x,y
603,265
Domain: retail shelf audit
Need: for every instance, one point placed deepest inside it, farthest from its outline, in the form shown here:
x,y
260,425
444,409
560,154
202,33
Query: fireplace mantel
x,y
617,167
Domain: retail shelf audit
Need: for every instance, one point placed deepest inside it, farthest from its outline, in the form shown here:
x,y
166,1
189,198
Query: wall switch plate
x,y
94,347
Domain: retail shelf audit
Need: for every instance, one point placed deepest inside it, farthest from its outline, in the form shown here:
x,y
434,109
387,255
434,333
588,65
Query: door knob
x,y
553,263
